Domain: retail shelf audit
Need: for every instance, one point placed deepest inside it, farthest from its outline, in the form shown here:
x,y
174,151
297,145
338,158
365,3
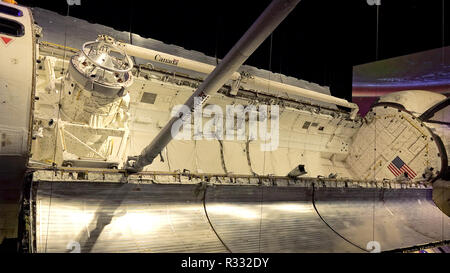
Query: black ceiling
x,y
320,40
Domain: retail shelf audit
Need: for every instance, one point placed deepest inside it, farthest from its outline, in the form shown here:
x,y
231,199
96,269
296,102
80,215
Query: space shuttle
x,y
112,142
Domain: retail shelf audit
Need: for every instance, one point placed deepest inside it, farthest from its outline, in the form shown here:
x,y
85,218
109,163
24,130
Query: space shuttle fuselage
x,y
80,111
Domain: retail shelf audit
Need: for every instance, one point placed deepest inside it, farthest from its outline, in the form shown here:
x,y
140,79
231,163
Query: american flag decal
x,y
398,167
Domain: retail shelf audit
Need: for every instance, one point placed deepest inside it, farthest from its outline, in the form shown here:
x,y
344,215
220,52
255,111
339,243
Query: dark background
x,y
320,41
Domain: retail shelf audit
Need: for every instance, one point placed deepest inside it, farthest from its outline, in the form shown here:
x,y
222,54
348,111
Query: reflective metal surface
x,y
394,218
113,217
106,217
